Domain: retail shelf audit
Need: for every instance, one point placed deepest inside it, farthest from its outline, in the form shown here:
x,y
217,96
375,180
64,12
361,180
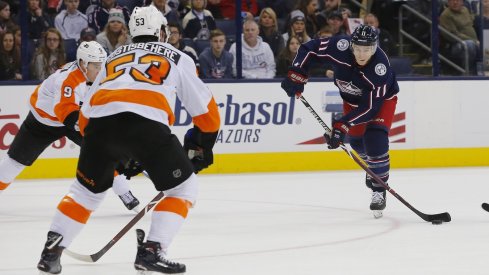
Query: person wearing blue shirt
x,y
368,87
215,61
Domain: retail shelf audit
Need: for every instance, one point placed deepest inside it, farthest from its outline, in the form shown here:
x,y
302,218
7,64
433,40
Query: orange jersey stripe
x,y
174,205
143,97
210,121
73,210
67,103
33,102
3,185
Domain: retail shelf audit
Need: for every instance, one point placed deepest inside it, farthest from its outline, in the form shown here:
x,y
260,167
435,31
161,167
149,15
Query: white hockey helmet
x,y
90,51
147,21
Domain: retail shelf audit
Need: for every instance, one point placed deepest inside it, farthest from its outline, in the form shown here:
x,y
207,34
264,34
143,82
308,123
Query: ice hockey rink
x,y
284,224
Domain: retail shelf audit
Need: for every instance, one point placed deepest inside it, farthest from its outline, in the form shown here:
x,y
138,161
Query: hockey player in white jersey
x,y
54,108
127,115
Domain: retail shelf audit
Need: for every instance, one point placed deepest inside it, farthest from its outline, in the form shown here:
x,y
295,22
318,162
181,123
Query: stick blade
x,y
80,257
485,206
444,217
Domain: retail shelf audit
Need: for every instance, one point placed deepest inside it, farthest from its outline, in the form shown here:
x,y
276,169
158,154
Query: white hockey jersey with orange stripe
x,y
58,95
143,78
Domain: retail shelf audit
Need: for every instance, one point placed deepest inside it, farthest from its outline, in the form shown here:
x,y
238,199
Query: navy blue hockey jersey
x,y
363,87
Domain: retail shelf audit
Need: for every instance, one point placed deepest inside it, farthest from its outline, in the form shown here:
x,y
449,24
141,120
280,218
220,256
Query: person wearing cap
x,y
87,34
71,21
297,27
335,20
100,15
115,33
327,7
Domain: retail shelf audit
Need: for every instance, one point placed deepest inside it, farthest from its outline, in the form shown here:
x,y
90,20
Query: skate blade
x,y
144,272
377,214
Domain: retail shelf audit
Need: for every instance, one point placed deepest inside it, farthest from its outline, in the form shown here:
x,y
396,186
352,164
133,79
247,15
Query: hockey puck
x,y
436,221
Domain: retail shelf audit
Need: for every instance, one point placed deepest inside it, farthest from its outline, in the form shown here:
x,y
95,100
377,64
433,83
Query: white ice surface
x,y
284,224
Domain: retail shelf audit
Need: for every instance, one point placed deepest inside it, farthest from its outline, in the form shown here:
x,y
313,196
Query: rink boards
x,y
437,124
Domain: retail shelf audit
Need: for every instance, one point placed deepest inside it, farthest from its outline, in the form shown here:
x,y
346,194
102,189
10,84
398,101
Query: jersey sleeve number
x,y
155,74
67,92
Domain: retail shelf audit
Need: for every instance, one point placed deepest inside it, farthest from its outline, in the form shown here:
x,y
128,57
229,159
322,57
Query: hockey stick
x,y
96,256
445,217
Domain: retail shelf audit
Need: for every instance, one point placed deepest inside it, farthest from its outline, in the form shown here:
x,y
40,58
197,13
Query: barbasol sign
x,y
244,121
245,113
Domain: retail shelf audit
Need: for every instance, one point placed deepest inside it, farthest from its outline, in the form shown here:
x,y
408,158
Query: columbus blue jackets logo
x,y
342,44
348,87
380,69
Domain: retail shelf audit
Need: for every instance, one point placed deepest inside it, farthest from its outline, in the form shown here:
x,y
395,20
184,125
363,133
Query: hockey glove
x,y
198,146
130,169
294,83
337,135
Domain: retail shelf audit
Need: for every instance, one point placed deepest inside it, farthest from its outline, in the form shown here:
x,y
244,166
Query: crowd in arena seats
x,y
204,29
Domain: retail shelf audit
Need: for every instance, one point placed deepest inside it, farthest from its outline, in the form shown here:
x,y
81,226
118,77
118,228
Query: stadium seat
x,y
188,42
226,26
200,45
70,49
401,65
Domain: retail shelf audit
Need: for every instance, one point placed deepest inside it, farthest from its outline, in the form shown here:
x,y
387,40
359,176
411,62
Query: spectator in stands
x,y
309,9
281,7
87,34
173,4
70,22
175,40
9,58
215,61
328,7
50,56
386,41
6,22
100,16
335,20
185,7
198,23
297,27
170,14
325,32
269,30
37,21
115,33
457,19
227,8
286,56
257,57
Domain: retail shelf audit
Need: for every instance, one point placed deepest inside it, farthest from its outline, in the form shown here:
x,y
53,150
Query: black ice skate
x,y
148,258
49,263
378,203
130,201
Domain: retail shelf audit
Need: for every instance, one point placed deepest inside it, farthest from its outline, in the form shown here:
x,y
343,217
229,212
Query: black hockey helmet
x,y
364,35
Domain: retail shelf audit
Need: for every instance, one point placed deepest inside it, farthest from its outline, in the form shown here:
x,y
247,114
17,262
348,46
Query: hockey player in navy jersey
x,y
369,90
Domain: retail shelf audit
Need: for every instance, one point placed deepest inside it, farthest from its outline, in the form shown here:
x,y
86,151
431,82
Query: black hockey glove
x,y
337,135
198,146
294,83
129,169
